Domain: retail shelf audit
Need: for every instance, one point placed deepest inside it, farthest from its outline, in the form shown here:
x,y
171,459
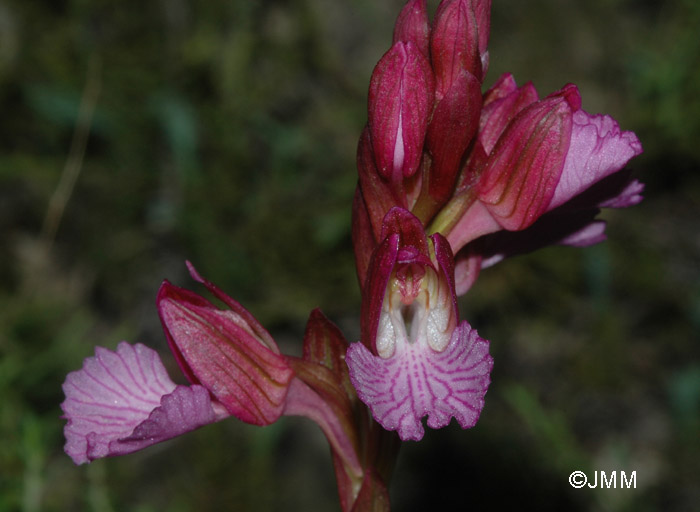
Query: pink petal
x,y
629,196
417,381
598,148
590,234
185,409
467,269
123,401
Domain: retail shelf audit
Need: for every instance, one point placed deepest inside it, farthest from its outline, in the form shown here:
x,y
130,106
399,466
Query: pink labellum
x,y
123,401
598,148
629,196
417,381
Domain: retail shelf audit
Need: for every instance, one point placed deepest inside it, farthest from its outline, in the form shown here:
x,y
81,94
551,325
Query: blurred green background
x,y
138,134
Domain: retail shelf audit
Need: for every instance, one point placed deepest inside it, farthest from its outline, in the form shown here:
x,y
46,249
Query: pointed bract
x,y
451,129
325,344
378,193
502,103
363,240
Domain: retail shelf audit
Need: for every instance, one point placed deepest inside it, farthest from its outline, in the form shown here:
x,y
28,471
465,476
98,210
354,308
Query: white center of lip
x,y
423,317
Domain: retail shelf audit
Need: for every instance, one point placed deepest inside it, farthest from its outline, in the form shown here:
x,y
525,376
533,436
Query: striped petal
x,y
417,381
123,401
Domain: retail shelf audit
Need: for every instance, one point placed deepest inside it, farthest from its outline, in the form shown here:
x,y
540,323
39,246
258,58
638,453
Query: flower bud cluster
x,y
469,164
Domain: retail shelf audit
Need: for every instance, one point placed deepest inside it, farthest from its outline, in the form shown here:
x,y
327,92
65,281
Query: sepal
x,y
227,351
522,172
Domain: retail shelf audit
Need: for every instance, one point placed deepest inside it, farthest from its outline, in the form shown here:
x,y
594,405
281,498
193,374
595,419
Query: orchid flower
x,y
124,401
450,181
415,359
546,166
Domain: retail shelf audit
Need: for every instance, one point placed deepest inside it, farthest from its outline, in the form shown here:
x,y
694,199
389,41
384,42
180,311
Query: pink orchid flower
x,y
541,167
124,401
415,360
